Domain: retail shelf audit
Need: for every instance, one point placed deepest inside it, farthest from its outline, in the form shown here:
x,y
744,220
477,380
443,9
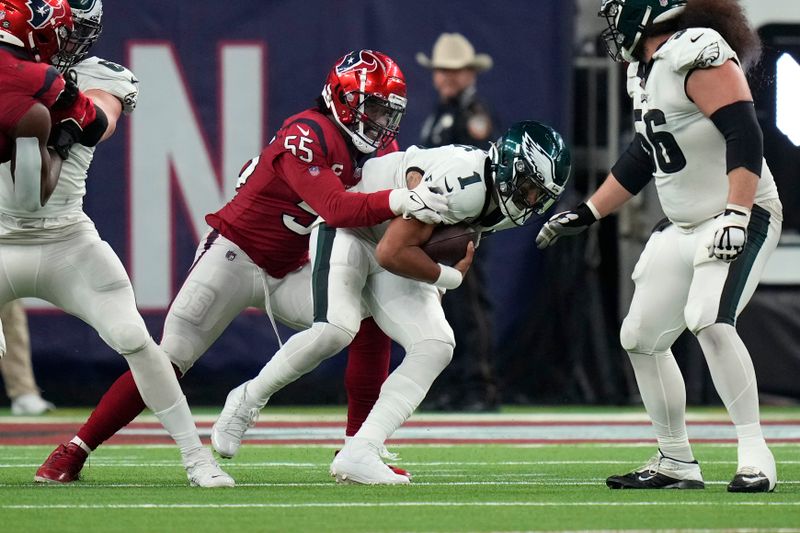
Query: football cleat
x,y
660,472
203,471
63,465
30,405
236,418
386,455
359,462
750,479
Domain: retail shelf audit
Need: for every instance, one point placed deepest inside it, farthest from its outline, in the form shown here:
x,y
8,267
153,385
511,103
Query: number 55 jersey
x,y
687,149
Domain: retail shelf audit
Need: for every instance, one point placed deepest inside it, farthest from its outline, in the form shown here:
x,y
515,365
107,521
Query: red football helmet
x,y
366,93
38,26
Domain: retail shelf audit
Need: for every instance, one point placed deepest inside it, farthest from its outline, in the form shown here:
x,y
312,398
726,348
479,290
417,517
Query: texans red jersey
x,y
23,83
301,174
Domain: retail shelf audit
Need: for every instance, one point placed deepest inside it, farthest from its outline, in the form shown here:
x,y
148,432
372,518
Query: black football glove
x,y
565,224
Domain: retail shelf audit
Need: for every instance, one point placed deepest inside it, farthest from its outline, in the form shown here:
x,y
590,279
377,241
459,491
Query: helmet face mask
x,y
366,95
629,19
87,18
531,165
40,27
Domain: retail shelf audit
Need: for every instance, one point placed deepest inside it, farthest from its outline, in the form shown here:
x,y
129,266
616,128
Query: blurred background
x,y
218,78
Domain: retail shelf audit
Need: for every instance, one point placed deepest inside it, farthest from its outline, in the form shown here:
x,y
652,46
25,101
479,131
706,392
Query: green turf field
x,y
456,488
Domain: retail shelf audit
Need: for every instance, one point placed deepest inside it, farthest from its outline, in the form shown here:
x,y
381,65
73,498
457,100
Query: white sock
x,y
77,440
178,422
663,393
732,372
301,354
160,391
405,388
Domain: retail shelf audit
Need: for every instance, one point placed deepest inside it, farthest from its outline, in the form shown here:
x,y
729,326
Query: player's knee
x,y
127,338
629,335
700,315
332,338
437,354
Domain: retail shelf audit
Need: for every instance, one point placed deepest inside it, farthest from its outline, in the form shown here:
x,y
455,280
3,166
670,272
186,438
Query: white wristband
x,y
593,209
449,277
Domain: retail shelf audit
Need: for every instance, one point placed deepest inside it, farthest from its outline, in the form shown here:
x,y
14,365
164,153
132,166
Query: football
x,y
448,243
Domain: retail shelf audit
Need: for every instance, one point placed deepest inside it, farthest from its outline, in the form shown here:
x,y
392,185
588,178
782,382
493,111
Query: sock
x,y
160,391
301,354
367,368
178,421
732,372
118,407
405,388
663,393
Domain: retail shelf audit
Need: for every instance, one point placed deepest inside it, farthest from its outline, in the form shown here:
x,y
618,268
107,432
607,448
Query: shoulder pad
x,y
96,73
695,48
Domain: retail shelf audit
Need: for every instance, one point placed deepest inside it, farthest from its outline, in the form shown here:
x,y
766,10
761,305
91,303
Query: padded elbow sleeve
x,y
635,168
743,138
93,132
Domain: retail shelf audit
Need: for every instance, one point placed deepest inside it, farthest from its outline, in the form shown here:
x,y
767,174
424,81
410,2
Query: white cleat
x,y
359,462
30,405
203,471
236,418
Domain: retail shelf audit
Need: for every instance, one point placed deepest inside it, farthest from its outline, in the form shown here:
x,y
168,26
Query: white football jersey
x,y
456,170
65,206
689,151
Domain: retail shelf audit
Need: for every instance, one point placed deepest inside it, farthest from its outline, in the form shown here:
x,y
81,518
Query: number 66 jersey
x,y
687,149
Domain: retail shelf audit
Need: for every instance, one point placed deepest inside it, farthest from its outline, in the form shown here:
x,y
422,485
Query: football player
x,y
59,257
382,271
256,254
30,34
698,138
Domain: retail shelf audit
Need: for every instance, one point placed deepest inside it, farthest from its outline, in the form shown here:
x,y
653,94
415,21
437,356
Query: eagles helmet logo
x,y
543,164
356,61
42,12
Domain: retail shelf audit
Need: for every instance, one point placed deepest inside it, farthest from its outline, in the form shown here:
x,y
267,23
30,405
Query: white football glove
x,y
730,236
422,203
565,224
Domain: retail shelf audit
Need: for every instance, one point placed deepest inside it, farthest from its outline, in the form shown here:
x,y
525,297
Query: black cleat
x,y
749,479
660,472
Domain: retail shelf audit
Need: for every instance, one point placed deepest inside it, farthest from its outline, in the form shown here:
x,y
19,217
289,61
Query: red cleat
x,y
63,465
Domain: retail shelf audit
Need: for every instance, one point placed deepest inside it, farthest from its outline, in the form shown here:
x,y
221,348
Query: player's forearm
x,y
409,262
50,177
742,187
609,196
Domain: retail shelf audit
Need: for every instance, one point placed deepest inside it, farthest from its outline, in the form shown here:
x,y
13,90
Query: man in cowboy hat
x,y
460,117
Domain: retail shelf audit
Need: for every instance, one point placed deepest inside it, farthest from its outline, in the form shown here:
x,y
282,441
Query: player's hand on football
x,y
730,236
421,202
565,224
463,265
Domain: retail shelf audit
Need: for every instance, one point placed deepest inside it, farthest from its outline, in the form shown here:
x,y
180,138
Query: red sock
x,y
117,408
367,369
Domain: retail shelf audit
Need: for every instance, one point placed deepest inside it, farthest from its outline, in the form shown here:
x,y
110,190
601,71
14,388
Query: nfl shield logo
x,y
314,171
663,3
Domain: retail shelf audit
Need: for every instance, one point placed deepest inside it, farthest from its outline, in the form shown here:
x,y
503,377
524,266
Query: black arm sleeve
x,y
635,167
743,138
92,133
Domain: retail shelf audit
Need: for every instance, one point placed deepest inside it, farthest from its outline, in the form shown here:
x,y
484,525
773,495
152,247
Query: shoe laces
x,y
386,455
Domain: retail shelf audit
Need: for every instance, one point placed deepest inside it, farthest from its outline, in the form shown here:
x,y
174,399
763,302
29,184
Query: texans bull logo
x,y
43,11
359,60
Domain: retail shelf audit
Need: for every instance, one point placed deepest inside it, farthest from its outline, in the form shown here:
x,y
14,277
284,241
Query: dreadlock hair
x,y
724,16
